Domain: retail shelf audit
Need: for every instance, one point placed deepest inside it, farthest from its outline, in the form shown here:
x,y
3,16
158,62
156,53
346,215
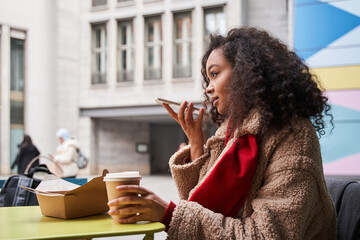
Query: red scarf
x,y
225,189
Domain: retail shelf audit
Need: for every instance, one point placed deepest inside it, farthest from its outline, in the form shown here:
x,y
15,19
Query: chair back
x,y
50,164
346,197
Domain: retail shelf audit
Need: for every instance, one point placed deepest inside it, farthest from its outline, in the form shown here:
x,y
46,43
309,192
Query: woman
x,y
27,152
66,154
260,176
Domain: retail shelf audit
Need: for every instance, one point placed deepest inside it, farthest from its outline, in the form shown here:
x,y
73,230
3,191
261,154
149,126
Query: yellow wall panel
x,y
336,78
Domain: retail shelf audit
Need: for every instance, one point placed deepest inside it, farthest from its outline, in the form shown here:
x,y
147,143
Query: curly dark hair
x,y
268,76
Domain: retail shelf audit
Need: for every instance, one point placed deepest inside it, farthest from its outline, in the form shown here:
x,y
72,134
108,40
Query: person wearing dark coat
x,y
26,153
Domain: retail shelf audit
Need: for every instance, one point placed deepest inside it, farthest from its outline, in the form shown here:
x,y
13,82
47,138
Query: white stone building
x,y
96,66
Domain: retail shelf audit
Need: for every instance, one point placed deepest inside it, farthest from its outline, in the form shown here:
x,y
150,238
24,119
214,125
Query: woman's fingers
x,y
171,112
125,200
137,204
200,117
133,194
189,119
132,214
132,219
192,128
133,189
136,209
128,210
185,114
181,113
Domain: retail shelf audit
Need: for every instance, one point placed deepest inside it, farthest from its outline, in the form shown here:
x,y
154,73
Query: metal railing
x,y
152,73
125,76
98,78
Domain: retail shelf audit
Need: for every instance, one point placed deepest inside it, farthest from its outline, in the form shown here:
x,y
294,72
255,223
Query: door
x,y
164,142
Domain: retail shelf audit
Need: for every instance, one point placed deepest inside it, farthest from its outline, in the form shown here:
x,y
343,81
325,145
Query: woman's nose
x,y
210,89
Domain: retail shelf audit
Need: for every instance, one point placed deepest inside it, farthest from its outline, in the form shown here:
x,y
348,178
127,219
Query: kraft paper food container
x,y
62,199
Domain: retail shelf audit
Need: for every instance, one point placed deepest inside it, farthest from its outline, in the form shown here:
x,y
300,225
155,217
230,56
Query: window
x,y
98,54
96,3
182,45
17,88
125,51
214,23
153,48
16,112
17,82
17,65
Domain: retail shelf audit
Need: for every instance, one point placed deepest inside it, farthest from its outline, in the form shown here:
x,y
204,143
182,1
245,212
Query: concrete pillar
x,y
5,100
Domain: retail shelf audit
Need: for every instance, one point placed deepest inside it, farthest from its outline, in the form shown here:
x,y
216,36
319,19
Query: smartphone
x,y
161,101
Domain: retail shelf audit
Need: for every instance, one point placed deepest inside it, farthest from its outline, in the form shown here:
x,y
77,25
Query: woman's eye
x,y
213,74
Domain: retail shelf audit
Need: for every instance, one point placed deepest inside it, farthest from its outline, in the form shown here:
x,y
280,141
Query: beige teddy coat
x,y
288,198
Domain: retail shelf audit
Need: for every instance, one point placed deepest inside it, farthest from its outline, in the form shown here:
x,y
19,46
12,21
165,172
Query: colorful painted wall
x,y
327,37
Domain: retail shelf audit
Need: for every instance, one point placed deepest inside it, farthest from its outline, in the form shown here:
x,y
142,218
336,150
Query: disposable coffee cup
x,y
112,180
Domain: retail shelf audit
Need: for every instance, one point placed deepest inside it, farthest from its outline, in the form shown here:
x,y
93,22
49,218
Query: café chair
x,y
346,197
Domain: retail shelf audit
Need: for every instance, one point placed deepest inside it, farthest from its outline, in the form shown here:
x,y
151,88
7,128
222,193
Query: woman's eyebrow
x,y
211,66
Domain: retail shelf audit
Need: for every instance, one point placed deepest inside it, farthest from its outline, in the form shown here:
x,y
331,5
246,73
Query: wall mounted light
x,y
142,147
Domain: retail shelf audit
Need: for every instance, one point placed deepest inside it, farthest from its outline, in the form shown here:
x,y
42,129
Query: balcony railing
x,y
97,78
96,3
125,76
152,73
181,71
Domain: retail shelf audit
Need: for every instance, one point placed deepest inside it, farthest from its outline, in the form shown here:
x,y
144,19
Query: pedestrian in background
x,y
27,152
66,154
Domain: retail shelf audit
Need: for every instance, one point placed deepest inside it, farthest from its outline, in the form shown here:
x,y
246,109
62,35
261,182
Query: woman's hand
x,y
143,206
191,127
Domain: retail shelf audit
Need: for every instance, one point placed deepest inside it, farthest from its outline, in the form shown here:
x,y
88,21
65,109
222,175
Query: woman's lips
x,y
215,102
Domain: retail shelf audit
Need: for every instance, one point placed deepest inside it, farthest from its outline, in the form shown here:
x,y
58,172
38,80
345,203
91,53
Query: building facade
x,y
28,76
96,67
141,50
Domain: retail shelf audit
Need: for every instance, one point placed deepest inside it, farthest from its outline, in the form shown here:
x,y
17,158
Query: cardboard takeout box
x,y
62,199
